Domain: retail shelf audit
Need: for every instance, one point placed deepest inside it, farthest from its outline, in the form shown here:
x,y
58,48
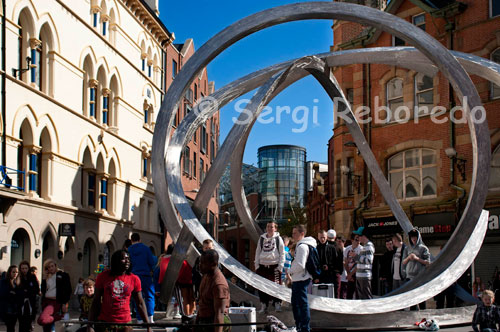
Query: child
x,y
486,314
87,298
79,289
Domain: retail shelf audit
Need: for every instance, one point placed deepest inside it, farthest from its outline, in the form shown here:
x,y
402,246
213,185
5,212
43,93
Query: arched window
x,y
113,178
102,184
89,179
146,164
495,170
112,104
101,95
45,165
26,32
495,89
412,174
89,88
394,92
424,93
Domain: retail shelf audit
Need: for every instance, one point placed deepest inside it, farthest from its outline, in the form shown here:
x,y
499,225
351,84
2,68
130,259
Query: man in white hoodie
x,y
269,262
301,278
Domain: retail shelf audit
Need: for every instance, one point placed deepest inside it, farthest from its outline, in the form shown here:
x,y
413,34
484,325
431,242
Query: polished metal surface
x,y
459,251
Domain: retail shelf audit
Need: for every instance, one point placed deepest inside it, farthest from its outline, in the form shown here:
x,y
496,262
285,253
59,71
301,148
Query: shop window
x,y
424,94
495,56
412,174
494,183
394,91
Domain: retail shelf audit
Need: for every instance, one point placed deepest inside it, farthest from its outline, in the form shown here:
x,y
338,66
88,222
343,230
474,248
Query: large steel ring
x,y
175,201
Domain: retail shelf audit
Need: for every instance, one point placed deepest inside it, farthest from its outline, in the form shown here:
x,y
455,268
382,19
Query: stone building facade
x,y
83,86
428,165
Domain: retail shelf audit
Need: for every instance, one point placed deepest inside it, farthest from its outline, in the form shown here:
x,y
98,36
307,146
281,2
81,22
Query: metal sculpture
x,y
430,57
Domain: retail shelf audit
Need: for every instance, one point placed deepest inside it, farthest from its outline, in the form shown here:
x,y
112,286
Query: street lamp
x,y
351,177
460,162
223,225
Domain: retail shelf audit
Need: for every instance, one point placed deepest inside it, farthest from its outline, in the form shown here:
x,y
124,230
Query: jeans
x,y
363,288
300,305
148,294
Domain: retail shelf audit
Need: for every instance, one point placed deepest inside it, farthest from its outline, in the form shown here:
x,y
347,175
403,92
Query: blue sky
x,y
202,19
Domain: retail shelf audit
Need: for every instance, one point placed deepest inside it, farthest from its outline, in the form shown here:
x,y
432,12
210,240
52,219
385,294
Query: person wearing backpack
x,y
364,261
269,262
304,266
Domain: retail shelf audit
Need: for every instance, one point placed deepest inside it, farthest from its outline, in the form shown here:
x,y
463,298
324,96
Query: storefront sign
x,y
67,230
435,229
493,223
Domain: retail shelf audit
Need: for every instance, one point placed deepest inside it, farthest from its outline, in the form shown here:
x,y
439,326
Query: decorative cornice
x,y
93,83
34,42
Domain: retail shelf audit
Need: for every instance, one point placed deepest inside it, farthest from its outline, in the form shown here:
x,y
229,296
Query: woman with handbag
x,y
56,292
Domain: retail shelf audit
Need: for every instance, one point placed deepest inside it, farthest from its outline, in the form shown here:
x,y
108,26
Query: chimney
x,y
153,4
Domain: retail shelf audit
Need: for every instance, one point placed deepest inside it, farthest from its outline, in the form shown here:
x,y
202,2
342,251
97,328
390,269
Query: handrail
x,y
6,180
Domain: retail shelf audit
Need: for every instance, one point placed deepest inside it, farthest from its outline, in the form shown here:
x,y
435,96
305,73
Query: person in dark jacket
x,y
335,256
56,292
9,306
143,264
323,259
386,267
397,270
28,290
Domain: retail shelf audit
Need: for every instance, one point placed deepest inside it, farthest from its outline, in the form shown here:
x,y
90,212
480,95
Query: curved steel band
x,y
451,257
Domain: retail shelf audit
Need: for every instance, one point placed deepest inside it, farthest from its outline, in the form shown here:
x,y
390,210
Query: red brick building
x,y
431,187
200,152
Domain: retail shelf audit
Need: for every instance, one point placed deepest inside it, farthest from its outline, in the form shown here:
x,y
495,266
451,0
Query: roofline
x,y
157,18
283,146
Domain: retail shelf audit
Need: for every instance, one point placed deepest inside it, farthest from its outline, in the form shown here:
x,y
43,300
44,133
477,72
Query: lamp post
x,y
224,225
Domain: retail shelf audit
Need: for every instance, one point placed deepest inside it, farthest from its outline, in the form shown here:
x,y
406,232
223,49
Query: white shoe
x,y
151,319
277,307
263,308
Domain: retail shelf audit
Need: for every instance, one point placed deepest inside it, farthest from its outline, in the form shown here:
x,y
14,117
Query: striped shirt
x,y
365,261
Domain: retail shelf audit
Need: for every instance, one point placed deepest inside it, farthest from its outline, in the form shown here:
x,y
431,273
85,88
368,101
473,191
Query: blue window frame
x,y
104,194
105,109
146,116
104,28
96,19
33,174
92,102
145,167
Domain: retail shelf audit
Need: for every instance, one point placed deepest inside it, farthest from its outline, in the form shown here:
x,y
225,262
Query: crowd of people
x,y
133,281
127,287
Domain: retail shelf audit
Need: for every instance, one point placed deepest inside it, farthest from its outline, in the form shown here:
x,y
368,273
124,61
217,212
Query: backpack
x,y
313,266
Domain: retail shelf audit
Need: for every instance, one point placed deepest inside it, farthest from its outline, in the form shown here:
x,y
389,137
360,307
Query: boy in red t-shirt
x,y
113,290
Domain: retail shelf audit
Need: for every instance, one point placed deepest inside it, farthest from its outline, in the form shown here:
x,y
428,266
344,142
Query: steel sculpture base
x,y
387,320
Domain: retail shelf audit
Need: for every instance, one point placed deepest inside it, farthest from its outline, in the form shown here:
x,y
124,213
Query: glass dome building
x,y
282,180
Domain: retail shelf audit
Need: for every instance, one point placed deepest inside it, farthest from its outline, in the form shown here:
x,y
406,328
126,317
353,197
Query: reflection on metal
x,y
429,57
